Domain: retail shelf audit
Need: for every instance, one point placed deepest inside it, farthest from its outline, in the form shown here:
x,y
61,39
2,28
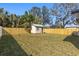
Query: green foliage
x,y
27,19
34,15
38,15
30,18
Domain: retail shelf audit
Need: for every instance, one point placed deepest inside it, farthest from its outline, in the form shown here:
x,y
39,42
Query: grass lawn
x,y
38,44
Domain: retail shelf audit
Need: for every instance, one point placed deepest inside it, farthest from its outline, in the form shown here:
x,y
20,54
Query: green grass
x,y
39,44
9,46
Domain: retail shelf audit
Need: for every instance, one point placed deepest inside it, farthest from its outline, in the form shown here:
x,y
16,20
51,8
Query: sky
x,y
20,8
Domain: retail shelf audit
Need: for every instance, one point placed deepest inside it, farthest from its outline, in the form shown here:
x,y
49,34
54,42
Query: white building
x,y
38,28
71,26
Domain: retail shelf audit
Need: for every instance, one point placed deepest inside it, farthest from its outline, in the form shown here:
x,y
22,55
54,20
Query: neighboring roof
x,y
72,26
39,25
75,11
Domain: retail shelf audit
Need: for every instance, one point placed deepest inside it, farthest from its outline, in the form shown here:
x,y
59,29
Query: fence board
x,y
65,31
0,31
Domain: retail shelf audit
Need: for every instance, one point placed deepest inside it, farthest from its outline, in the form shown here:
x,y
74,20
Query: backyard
x,y
19,42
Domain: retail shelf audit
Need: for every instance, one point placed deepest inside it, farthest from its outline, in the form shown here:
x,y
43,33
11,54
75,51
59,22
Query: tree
x,y
45,15
1,10
37,20
23,20
27,19
13,19
30,19
36,12
1,21
63,11
6,20
1,16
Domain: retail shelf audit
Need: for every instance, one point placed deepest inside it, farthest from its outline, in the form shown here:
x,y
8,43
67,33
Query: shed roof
x,y
75,11
40,25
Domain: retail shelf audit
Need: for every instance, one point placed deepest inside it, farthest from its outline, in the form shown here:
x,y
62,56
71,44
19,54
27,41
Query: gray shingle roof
x,y
75,11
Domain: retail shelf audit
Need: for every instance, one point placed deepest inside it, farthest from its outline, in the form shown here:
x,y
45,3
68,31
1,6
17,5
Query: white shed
x,y
38,28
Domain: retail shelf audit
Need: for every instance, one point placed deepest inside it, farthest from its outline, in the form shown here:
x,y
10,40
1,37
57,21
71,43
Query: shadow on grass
x,y
10,47
73,39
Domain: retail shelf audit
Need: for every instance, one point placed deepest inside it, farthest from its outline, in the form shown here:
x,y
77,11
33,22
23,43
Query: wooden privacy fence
x,y
0,31
65,31
15,31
